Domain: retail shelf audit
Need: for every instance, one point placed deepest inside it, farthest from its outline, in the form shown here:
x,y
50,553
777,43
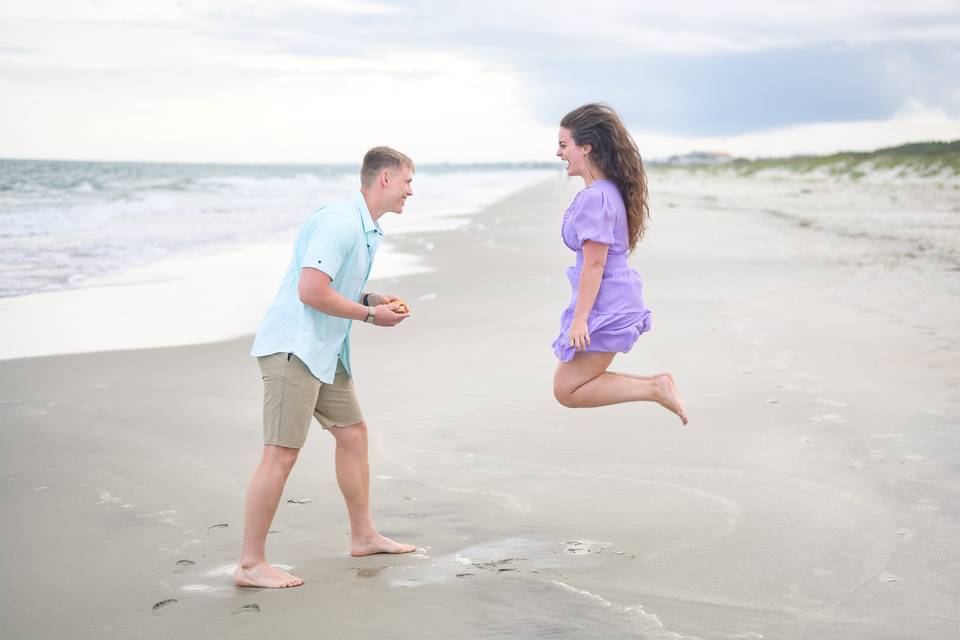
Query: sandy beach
x,y
815,493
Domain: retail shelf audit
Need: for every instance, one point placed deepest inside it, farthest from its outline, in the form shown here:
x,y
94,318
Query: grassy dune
x,y
919,159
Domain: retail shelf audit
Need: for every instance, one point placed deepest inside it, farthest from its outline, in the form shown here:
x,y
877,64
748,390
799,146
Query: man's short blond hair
x,y
380,158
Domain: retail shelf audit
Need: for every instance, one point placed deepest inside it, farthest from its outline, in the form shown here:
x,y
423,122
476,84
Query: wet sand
x,y
814,494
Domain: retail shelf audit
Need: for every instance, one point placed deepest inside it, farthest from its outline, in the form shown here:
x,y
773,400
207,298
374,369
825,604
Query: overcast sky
x,y
322,80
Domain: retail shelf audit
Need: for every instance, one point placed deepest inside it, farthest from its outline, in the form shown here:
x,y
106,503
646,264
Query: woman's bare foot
x,y
265,575
669,396
378,544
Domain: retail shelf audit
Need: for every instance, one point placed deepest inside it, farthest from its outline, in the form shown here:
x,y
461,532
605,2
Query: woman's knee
x,y
564,395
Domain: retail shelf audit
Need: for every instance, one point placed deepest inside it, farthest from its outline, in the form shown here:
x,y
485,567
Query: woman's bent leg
x,y
585,382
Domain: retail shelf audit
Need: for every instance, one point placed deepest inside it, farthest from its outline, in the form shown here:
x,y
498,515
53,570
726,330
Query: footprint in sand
x,y
159,607
583,547
246,613
498,566
504,565
219,525
576,548
480,561
886,576
370,572
183,565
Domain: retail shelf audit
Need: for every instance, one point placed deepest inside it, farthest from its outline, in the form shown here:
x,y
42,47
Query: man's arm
x,y
315,290
371,299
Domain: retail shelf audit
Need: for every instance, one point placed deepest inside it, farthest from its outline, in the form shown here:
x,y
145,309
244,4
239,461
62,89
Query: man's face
x,y
399,188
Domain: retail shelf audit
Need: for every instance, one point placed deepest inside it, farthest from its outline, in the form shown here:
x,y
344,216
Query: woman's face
x,y
574,156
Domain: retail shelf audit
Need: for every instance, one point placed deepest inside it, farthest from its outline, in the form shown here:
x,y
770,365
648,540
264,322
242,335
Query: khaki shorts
x,y
292,396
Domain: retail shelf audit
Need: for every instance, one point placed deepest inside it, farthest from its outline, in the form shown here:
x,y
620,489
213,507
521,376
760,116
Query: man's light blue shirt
x,y
341,240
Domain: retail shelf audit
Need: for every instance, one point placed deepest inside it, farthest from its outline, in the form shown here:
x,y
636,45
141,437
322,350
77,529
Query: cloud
x,y
916,123
537,28
688,67
307,80
738,93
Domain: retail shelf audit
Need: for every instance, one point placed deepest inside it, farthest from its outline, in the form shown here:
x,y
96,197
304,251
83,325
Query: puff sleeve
x,y
594,217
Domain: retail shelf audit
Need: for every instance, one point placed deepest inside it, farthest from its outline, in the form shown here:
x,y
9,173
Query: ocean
x,y
63,224
106,256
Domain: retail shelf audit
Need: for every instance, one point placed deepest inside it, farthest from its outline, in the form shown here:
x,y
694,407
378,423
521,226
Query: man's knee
x,y
352,436
282,458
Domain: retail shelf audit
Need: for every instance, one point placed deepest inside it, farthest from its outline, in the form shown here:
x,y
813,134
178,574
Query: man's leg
x,y
263,496
353,477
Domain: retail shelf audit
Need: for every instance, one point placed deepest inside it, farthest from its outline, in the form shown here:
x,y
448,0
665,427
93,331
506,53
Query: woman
x,y
603,224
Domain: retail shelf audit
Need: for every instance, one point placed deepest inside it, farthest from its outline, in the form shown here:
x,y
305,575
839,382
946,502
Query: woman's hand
x,y
579,335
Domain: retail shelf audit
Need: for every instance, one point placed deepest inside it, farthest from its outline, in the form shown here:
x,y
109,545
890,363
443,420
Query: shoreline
x,y
186,300
813,493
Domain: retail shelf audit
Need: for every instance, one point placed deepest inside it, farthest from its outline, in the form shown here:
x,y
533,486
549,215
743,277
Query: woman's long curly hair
x,y
616,155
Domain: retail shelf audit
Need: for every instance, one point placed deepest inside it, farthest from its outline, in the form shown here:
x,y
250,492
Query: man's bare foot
x,y
265,575
669,396
378,544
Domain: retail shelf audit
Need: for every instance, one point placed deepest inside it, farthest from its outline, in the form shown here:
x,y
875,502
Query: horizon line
x,y
545,164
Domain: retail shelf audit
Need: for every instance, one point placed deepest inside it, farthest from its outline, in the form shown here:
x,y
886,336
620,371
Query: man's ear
x,y
384,178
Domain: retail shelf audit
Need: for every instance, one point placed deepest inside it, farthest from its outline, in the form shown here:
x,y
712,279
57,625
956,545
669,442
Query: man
x,y
303,349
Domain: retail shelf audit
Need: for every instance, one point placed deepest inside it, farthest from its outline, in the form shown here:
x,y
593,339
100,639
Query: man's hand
x,y
384,316
396,304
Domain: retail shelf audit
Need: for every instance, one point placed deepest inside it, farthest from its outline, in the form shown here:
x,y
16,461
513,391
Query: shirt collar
x,y
369,224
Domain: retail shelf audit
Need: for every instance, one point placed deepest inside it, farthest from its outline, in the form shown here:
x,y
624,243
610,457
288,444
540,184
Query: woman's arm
x,y
591,274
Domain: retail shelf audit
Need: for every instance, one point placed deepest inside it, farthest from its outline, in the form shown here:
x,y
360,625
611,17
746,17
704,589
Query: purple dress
x,y
618,316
